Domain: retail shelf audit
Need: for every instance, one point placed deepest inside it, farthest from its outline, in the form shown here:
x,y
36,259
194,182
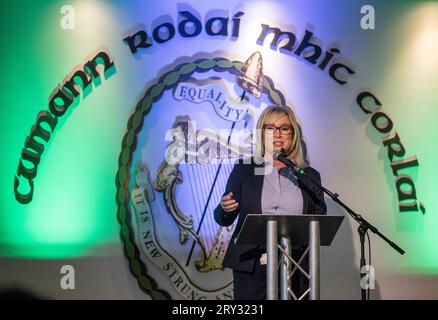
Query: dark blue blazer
x,y
247,190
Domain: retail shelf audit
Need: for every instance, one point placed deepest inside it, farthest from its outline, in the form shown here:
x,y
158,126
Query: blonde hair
x,y
295,150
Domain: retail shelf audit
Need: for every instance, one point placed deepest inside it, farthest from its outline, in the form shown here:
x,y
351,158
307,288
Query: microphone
x,y
282,157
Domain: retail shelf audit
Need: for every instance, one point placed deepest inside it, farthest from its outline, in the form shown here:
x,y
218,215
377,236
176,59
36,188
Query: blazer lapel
x,y
307,201
257,188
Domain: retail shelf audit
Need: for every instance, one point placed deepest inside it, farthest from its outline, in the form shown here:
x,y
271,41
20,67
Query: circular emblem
x,y
179,148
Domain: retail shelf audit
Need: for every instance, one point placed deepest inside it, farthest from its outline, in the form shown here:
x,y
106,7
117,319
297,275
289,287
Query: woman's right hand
x,y
228,203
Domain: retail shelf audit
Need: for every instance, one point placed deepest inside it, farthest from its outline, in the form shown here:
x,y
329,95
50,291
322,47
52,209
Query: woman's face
x,y
278,132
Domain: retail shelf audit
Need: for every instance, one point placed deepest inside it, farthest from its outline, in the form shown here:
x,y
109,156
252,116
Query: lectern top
x,y
294,227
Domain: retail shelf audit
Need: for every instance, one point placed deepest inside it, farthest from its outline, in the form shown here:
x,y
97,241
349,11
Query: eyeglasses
x,y
284,130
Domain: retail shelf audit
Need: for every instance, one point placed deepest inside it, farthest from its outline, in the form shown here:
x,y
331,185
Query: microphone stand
x,y
364,225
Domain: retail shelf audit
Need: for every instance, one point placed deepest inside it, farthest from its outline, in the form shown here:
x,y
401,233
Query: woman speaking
x,y
267,187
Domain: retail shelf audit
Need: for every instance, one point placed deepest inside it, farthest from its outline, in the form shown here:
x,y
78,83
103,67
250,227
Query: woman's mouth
x,y
278,144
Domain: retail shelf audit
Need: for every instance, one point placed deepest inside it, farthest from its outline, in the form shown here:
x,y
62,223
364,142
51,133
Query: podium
x,y
301,230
